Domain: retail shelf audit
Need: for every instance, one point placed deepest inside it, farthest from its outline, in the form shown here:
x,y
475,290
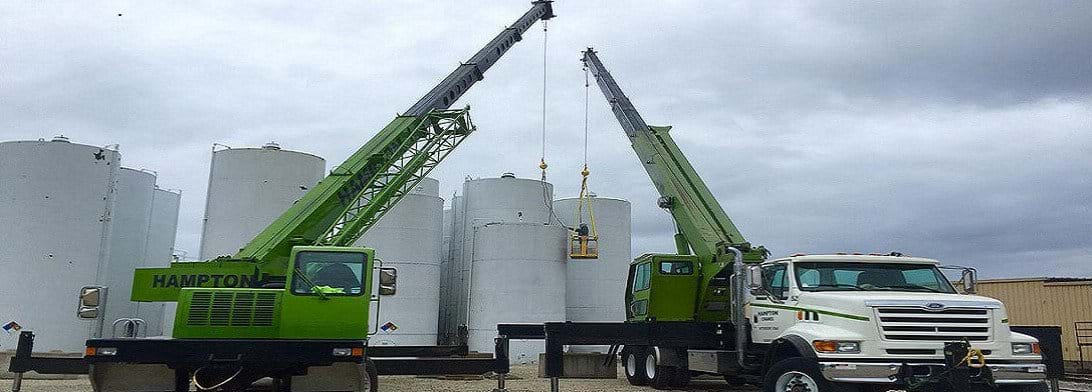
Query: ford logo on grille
x,y
935,306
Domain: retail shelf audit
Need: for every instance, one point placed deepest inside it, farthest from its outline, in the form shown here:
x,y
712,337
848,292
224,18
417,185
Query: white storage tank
x,y
128,242
248,189
517,276
159,252
491,200
56,201
408,238
595,288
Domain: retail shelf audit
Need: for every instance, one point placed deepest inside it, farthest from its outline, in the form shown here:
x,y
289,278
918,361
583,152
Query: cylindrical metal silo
x,y
408,238
158,253
488,200
56,201
517,275
128,242
595,288
248,189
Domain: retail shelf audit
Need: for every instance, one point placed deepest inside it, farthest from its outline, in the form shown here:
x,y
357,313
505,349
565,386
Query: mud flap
x,y
122,377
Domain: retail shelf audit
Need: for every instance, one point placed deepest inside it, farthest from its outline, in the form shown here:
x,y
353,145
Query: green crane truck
x,y
293,304
811,323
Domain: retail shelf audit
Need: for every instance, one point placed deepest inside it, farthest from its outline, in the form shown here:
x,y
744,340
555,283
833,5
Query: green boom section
x,y
704,226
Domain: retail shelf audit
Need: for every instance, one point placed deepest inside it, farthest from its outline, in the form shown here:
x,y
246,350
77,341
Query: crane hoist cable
x,y
585,239
546,196
545,36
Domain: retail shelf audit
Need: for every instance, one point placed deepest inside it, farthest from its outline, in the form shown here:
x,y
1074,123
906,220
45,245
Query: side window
x,y
642,277
676,268
775,280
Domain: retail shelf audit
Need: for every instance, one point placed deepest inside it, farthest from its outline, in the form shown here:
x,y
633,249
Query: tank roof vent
x,y
508,175
60,138
271,146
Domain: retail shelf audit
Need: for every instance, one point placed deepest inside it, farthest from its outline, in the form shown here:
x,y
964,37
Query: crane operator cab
x,y
584,243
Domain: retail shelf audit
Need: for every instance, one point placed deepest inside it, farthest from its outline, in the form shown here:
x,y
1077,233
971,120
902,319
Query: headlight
x,y
342,352
837,346
1025,348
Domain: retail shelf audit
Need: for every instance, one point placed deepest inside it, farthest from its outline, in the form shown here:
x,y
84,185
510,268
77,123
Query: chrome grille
x,y
948,325
232,308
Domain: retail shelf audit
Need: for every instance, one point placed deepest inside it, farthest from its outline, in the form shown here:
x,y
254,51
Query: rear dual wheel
x,y
662,376
633,360
642,368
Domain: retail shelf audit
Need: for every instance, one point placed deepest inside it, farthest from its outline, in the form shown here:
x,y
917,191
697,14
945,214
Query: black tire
x,y
659,376
800,370
373,375
1040,387
633,360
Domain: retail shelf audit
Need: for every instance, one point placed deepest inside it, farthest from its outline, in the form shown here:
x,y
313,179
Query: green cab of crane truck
x,y
326,295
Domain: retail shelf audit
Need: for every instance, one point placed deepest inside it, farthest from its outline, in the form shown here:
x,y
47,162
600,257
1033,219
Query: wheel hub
x,y
796,382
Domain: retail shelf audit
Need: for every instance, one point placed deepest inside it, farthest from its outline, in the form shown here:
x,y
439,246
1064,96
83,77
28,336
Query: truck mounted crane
x,y
814,323
293,304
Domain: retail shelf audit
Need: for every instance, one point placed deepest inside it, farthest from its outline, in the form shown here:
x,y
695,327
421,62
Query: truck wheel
x,y
659,377
633,360
798,375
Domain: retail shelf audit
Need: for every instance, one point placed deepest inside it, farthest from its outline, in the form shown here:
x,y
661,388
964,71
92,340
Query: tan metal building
x,y
1047,301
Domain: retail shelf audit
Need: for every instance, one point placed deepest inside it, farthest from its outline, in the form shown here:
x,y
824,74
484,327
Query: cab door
x,y
328,293
637,290
772,311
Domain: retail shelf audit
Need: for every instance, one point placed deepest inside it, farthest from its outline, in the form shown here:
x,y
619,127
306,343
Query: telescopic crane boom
x,y
692,285
702,225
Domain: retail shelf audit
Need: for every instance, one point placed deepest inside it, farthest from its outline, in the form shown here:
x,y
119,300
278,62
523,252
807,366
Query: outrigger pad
x,y
954,376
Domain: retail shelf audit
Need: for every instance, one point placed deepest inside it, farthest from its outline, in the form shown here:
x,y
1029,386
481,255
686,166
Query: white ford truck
x,y
868,322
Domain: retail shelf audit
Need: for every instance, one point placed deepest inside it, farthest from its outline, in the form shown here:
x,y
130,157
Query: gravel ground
x,y
528,382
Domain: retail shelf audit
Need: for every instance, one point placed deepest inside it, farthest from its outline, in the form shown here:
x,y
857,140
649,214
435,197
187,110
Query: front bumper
x,y
884,373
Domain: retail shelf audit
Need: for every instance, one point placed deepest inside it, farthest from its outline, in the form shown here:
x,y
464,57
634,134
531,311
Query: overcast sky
x,y
955,130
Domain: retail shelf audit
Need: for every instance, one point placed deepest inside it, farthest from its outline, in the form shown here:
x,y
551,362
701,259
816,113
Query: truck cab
x,y
866,319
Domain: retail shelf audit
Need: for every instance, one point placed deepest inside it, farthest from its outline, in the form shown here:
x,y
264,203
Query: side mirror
x,y
970,280
388,281
754,278
91,301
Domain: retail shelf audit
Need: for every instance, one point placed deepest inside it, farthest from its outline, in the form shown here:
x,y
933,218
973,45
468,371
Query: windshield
x,y
827,276
337,273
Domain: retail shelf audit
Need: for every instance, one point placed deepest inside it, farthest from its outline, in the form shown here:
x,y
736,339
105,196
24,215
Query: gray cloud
x,y
958,131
